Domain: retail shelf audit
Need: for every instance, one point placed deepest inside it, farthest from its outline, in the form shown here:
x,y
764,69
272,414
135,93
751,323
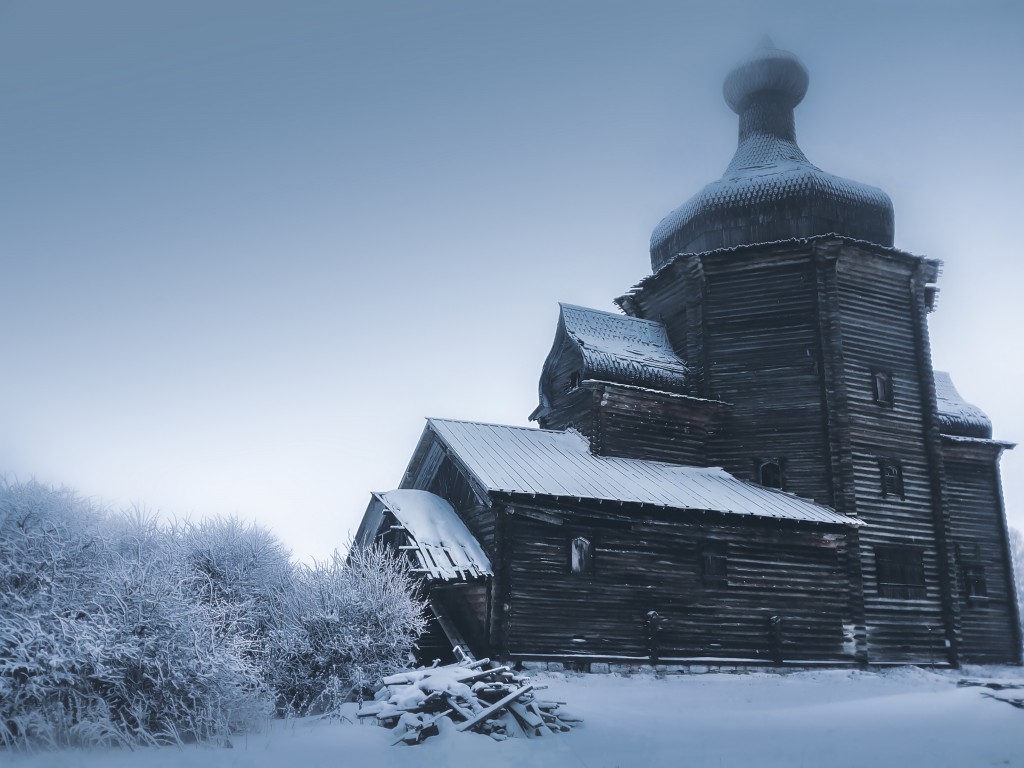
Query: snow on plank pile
x,y
422,702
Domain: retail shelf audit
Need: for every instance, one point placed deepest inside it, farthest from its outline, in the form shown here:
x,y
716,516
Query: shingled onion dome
x,y
770,191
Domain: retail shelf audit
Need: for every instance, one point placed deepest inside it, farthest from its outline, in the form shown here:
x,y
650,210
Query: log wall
x,y
790,334
989,625
653,562
880,315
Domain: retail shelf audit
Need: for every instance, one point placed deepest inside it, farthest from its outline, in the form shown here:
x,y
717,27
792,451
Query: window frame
x,y
766,461
971,567
714,563
884,395
585,559
899,572
897,488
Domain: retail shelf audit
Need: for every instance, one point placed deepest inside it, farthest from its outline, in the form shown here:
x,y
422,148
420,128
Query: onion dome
x,y
771,191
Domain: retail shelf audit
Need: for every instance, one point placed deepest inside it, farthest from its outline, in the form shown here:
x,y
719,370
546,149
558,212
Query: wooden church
x,y
754,463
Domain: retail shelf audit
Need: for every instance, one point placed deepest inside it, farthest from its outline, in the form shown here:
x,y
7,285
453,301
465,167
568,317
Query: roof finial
x,y
766,41
777,73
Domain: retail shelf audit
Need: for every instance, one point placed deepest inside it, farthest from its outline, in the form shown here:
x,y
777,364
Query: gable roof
x,y
624,349
437,539
956,415
543,462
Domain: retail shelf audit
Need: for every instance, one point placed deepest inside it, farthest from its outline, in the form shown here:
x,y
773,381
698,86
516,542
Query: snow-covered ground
x,y
901,717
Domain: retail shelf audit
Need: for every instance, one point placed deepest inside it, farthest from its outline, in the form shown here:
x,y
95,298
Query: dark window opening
x,y
581,556
574,381
892,477
714,564
975,587
769,473
972,572
882,385
900,573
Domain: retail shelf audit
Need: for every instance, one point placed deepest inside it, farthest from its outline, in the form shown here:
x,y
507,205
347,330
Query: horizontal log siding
x,y
877,320
655,565
989,629
763,356
643,424
576,409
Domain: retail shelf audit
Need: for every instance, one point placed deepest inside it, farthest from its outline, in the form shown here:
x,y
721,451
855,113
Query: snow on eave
x,y
659,392
1002,444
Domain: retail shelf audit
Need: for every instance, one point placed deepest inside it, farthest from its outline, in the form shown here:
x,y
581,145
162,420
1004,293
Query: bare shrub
x,y
344,625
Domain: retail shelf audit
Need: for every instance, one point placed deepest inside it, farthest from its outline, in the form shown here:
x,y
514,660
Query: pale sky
x,y
248,246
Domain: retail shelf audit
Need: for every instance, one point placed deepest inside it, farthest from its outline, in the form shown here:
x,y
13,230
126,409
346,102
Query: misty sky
x,y
248,246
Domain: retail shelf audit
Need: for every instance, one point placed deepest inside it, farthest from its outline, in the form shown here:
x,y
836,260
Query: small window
x,y
892,477
574,381
714,564
882,384
769,473
975,587
972,572
900,573
581,556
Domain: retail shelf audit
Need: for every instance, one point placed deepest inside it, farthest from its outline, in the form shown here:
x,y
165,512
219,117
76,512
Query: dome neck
x,y
767,135
766,115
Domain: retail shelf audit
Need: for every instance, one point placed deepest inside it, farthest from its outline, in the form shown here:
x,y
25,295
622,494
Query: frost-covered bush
x,y
102,639
172,667
239,569
118,630
344,625
1017,556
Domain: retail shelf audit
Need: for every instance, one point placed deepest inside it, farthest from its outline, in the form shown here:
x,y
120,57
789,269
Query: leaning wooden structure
x,y
753,463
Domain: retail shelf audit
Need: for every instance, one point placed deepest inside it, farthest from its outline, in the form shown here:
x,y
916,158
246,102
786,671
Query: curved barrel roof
x,y
956,415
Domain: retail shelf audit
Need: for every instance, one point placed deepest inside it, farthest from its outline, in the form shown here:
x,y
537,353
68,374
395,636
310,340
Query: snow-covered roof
x,y
624,349
437,539
521,460
956,415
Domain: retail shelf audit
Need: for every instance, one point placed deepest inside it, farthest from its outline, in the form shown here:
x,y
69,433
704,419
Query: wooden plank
x,y
486,713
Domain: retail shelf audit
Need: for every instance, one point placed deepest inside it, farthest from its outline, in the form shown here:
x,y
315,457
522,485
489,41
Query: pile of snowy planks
x,y
422,702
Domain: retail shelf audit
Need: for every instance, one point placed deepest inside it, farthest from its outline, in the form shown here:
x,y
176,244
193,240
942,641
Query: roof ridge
x,y
620,315
495,424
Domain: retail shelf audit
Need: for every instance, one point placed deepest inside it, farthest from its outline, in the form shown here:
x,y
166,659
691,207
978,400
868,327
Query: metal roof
x,y
521,460
624,349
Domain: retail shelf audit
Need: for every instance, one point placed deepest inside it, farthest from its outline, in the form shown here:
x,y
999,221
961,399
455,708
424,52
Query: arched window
x,y
769,473
892,477
581,556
